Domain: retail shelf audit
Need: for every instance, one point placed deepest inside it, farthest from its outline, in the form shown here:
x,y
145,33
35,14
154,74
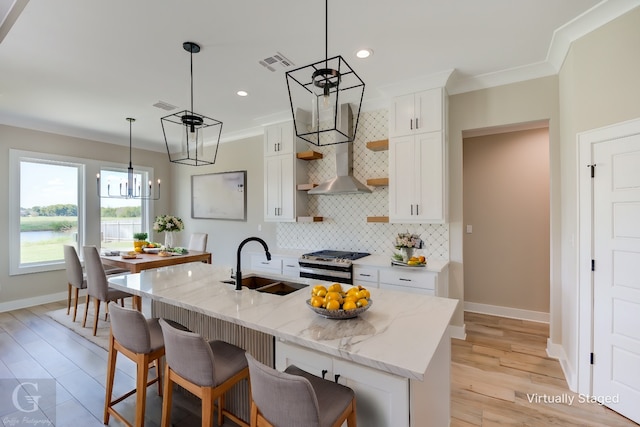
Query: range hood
x,y
344,182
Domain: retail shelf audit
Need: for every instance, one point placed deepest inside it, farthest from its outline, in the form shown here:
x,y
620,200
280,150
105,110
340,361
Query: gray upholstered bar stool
x,y
296,398
206,369
140,340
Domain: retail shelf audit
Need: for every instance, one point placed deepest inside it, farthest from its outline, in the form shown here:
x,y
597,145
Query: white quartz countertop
x,y
398,334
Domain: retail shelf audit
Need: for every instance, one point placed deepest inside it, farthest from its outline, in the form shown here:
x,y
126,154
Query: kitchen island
x,y
400,346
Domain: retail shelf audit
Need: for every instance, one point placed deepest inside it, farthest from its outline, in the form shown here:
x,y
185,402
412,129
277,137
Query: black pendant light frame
x,y
189,121
131,189
330,78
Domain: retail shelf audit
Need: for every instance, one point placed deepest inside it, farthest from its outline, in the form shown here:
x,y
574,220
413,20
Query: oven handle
x,y
325,272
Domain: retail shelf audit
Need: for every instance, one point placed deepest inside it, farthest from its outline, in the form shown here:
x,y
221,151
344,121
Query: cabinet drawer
x,y
407,278
260,263
290,267
408,289
364,274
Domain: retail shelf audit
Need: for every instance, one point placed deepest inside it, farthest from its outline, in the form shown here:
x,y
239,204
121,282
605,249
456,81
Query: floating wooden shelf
x,y
381,145
377,219
310,219
305,187
378,182
309,155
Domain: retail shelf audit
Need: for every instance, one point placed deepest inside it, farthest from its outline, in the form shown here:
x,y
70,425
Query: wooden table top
x,y
145,261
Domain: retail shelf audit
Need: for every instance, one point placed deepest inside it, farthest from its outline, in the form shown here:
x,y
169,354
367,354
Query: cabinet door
x,y
428,111
365,276
279,188
272,188
382,399
402,161
429,176
278,139
402,116
290,267
261,263
308,360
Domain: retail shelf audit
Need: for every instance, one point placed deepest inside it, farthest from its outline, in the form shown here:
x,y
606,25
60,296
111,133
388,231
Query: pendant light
x,y
325,98
197,136
131,188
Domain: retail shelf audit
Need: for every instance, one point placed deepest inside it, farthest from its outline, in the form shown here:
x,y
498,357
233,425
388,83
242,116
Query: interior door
x,y
616,292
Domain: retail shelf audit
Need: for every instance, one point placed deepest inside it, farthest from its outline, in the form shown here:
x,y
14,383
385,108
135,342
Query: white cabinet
x,y
365,276
417,113
282,173
382,399
417,181
290,267
259,262
278,139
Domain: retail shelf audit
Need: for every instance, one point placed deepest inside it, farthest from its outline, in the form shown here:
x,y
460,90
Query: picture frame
x,y
220,195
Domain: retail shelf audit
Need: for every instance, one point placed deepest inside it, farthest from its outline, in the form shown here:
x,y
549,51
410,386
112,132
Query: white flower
x,y
168,223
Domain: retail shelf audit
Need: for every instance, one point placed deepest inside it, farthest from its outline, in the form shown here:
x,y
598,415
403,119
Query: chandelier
x,y
187,129
131,188
325,98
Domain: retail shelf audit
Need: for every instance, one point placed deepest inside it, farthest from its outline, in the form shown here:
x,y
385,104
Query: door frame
x,y
586,141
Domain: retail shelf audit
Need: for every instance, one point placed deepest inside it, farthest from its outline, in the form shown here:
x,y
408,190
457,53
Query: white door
x,y
616,291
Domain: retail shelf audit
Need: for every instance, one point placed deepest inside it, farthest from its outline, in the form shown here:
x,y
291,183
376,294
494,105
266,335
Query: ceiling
x,y
79,68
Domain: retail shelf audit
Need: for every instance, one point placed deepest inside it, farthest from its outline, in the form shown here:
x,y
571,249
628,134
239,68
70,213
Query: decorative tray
x,y
339,314
404,264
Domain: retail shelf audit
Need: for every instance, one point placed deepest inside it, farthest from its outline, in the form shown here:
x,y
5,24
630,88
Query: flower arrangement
x,y
408,240
168,223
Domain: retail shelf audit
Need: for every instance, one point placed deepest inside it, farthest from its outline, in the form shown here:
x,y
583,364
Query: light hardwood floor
x,y
501,369
494,370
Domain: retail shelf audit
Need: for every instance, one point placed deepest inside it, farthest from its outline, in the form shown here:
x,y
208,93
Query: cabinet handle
x,y
417,123
411,209
411,124
265,262
335,377
417,210
324,372
364,275
404,280
289,265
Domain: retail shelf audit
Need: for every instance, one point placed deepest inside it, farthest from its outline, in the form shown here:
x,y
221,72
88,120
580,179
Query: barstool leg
x,y
167,397
111,371
68,298
207,407
76,293
86,310
142,364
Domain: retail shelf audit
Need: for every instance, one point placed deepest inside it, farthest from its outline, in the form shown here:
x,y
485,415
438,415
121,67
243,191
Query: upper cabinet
x,y
283,172
416,113
418,158
278,139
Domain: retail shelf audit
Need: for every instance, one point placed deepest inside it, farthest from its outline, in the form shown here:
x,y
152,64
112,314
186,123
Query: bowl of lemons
x,y
333,302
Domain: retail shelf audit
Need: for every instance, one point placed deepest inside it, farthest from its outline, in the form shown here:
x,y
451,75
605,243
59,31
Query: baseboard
x,y
30,302
556,351
514,313
458,332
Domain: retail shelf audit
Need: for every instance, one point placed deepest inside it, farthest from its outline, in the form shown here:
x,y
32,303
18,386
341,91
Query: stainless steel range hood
x,y
344,182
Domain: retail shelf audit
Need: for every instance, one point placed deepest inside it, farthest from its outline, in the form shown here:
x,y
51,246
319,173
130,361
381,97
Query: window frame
x,y
87,192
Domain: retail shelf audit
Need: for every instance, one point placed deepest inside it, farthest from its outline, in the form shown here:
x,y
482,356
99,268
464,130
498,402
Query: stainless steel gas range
x,y
333,266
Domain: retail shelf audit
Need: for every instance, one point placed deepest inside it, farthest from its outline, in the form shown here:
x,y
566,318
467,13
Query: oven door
x,y
330,273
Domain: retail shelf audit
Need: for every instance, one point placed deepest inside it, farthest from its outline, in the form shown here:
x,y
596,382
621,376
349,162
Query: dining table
x,y
146,261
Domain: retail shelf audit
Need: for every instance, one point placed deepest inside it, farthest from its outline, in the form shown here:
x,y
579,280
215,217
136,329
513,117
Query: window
x,y
49,205
47,209
120,217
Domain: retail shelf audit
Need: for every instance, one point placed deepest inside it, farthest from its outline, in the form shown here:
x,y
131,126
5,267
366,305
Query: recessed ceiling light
x,y
242,93
364,53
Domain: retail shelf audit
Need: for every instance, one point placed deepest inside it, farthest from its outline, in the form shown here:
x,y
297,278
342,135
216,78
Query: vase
x,y
407,253
168,239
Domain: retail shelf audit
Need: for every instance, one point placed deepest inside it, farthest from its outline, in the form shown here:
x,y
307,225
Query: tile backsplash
x,y
345,225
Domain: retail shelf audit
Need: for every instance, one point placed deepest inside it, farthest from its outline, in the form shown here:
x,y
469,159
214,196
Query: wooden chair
x,y
98,287
206,369
297,398
76,278
198,242
140,340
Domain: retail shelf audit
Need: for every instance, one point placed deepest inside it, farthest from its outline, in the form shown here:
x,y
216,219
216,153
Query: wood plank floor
x,y
494,371
500,369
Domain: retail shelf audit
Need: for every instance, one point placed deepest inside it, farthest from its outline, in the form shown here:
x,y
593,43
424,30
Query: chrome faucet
x,y
244,242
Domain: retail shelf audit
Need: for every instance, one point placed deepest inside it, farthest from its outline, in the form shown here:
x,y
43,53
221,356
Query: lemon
x,y
349,298
362,303
317,289
334,296
365,293
317,301
336,287
333,305
349,305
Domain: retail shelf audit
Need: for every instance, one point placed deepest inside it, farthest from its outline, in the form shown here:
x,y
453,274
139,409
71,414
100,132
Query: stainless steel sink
x,y
268,285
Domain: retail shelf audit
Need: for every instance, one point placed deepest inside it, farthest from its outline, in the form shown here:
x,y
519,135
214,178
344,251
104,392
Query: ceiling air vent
x,y
164,105
273,61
